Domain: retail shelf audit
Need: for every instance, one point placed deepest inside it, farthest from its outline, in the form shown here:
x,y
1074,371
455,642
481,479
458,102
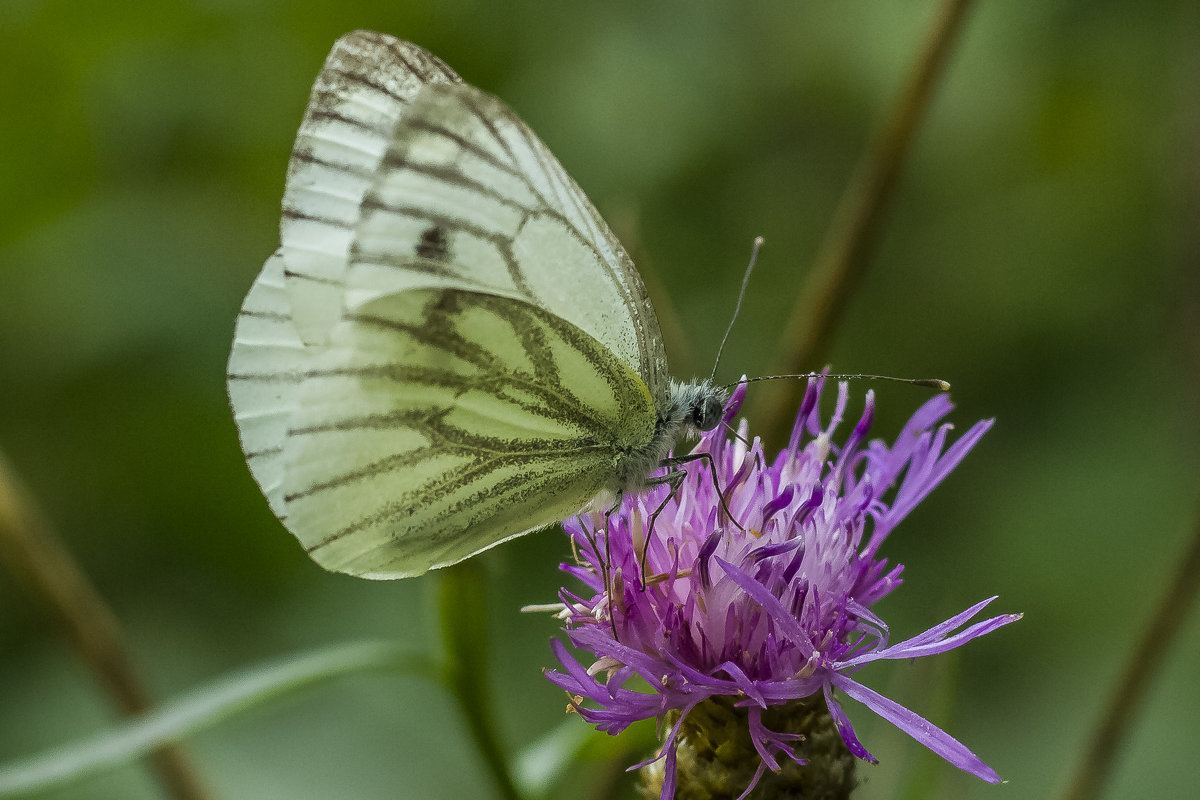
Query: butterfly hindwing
x,y
441,422
266,366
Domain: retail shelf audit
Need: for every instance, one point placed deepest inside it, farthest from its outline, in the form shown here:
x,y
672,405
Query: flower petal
x,y
917,727
936,640
842,723
784,620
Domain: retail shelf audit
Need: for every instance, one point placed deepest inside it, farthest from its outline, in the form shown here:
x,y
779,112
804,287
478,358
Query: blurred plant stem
x,y
463,613
38,557
1114,727
848,244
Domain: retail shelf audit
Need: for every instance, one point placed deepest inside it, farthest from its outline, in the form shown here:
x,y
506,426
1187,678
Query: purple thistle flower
x,y
770,615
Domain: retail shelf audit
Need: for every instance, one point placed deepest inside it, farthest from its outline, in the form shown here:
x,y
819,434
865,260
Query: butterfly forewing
x,y
466,192
441,422
364,89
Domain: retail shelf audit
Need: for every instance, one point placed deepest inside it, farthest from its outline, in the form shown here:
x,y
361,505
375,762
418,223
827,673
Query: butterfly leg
x,y
606,564
674,479
676,461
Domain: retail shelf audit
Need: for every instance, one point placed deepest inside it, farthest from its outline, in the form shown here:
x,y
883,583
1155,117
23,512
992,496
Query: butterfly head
x,y
695,405
708,407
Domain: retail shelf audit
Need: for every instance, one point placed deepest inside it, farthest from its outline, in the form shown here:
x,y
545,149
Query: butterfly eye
x,y
706,415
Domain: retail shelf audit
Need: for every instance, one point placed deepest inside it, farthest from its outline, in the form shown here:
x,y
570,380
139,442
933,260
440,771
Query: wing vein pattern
x,y
449,348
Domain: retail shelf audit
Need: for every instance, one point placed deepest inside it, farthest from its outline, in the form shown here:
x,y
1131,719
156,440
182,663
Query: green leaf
x,y
201,708
542,763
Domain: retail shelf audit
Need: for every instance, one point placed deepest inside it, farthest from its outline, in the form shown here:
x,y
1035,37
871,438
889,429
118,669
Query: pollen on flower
x,y
743,633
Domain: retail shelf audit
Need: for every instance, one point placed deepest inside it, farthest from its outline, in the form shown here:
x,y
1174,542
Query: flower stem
x,y
1113,728
462,606
35,554
846,250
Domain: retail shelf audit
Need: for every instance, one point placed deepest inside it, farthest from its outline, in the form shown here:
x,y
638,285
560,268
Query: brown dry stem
x,y
1115,726
847,248
40,560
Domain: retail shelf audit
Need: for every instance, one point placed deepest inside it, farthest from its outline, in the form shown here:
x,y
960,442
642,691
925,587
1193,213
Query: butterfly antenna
x,y
932,383
758,243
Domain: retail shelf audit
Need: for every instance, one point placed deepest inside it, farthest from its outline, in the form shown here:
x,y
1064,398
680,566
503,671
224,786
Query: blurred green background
x,y
1042,255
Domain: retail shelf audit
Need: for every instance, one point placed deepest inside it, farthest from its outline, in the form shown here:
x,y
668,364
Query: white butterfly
x,y
449,348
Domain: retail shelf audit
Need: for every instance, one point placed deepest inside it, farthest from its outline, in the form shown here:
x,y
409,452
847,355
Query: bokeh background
x,y
1042,255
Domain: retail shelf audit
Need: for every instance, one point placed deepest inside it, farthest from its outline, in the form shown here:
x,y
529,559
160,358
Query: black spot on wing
x,y
434,244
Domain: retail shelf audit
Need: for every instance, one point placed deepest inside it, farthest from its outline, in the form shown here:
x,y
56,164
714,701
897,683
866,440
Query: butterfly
x,y
450,348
